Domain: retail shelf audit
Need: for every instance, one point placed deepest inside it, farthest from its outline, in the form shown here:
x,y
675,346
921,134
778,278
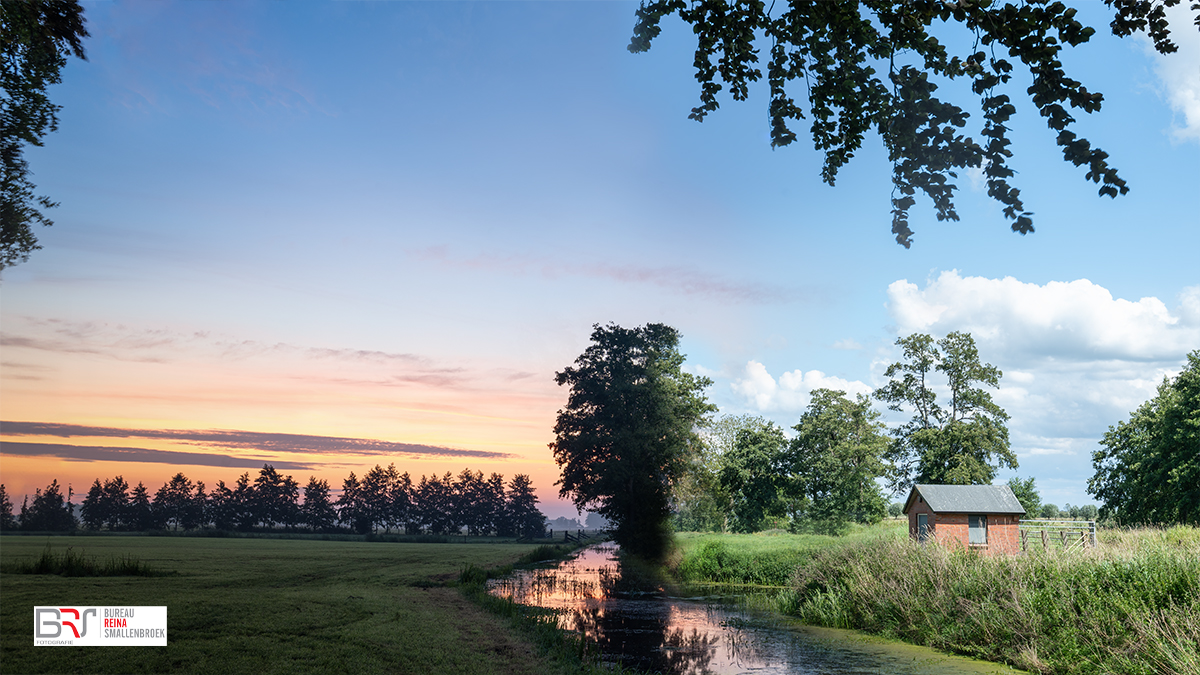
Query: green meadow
x,y
1132,605
247,605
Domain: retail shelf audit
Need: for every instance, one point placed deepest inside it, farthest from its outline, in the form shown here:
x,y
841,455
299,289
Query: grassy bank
x,y
274,606
761,559
1130,606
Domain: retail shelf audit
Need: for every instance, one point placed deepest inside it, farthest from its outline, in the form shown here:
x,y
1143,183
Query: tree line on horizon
x,y
382,501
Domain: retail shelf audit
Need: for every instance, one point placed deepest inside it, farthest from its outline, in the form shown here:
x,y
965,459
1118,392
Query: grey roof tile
x,y
967,499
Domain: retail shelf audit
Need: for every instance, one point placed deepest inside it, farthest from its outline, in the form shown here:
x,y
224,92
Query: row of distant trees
x,y
383,500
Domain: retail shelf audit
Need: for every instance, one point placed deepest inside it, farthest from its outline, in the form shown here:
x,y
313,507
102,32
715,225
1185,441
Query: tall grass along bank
x,y
1130,606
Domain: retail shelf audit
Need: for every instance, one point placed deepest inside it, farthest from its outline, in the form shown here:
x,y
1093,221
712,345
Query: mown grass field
x,y
274,606
1132,605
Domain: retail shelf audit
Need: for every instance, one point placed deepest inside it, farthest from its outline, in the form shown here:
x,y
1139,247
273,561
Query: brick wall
x,y
919,506
1002,533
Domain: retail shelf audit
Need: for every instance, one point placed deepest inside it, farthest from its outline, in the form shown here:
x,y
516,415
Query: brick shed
x,y
979,517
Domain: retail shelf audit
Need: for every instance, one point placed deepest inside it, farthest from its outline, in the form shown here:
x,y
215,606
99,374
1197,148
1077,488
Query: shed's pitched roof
x,y
966,499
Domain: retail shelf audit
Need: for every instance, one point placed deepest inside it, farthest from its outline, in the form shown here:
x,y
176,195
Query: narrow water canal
x,y
642,626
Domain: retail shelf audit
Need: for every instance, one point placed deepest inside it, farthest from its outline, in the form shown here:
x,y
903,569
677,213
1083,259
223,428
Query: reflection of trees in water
x,y
639,632
741,647
644,639
626,617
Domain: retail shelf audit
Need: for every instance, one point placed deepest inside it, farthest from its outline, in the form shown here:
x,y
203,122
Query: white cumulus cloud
x,y
1180,73
1076,320
790,393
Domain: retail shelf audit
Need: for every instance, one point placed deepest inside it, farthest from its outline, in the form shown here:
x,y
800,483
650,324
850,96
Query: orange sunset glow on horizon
x,y
87,403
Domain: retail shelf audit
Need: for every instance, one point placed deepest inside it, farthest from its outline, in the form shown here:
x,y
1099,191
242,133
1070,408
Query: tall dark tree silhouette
x,y
527,520
141,511
492,503
49,511
222,509
317,511
627,430
115,504
173,501
375,497
275,498
351,509
403,504
7,521
92,512
875,66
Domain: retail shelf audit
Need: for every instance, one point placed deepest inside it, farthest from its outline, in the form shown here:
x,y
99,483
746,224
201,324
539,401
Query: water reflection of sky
x,y
643,627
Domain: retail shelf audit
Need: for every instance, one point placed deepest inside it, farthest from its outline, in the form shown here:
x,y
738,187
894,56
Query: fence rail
x,y
1067,534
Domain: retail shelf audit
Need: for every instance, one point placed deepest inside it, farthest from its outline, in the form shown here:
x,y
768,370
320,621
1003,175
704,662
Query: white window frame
x,y
977,529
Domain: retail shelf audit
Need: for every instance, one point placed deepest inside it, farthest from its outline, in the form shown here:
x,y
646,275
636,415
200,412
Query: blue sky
x,y
396,220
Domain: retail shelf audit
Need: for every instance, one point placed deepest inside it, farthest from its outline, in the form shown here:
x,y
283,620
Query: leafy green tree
x,y
1050,511
895,509
958,442
36,37
875,65
750,475
700,502
628,431
833,461
1148,468
7,522
1026,493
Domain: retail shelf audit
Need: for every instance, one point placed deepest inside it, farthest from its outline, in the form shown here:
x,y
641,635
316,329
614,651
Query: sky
x,y
327,236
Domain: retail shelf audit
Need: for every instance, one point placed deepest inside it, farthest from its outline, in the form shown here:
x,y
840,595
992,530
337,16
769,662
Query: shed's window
x,y
977,530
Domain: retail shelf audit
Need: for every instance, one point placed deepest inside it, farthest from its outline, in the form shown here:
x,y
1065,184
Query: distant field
x,y
763,558
273,606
